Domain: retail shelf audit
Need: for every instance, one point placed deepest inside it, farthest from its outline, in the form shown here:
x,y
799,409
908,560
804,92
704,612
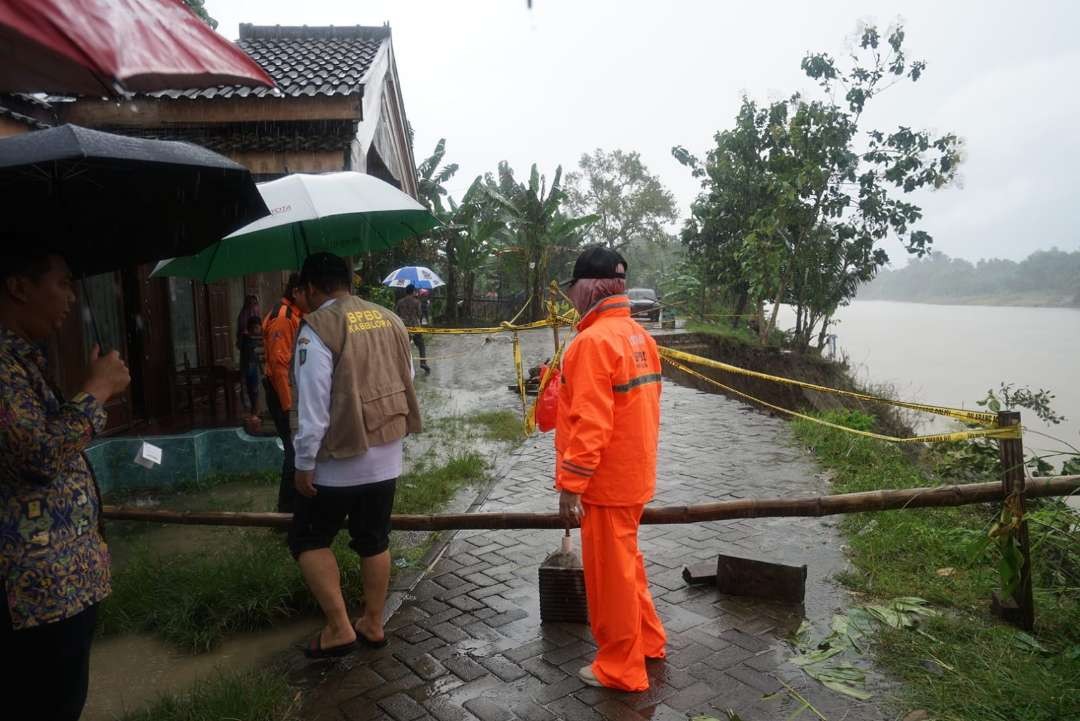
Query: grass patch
x,y
249,580
723,330
254,696
426,488
970,667
502,425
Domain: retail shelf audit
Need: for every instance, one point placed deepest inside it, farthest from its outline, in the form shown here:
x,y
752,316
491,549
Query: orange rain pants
x,y
621,611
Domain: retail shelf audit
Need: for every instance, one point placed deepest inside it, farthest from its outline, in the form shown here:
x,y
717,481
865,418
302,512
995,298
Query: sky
x,y
502,82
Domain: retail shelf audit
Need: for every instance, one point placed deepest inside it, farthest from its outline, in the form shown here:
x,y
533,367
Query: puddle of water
x,y
129,672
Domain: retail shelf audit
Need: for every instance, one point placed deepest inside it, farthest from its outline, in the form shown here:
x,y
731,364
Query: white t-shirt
x,y
314,369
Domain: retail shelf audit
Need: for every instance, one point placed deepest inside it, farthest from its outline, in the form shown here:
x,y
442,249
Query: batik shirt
x,y
53,560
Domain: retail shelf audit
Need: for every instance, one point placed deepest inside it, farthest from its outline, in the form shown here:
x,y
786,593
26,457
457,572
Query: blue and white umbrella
x,y
414,275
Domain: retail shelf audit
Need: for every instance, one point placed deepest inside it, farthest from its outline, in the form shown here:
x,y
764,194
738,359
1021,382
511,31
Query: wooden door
x,y
149,342
220,325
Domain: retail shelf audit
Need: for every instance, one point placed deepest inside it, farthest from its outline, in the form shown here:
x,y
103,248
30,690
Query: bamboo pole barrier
x,y
938,496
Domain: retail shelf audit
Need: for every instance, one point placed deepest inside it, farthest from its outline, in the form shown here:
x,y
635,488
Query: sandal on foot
x,y
365,641
315,649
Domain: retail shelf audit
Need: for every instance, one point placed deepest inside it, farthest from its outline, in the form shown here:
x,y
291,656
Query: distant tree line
x,y
1046,277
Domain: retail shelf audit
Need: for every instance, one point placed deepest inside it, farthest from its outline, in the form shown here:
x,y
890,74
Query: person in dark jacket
x,y
410,312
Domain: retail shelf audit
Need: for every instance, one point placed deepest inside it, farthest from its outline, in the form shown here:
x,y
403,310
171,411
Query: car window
x,y
641,294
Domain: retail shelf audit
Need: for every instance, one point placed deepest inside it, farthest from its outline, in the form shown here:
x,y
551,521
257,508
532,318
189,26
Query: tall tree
x,y
795,199
631,204
537,227
478,223
431,177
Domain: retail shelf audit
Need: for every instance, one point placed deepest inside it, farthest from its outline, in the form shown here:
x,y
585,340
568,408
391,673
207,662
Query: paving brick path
x,y
469,644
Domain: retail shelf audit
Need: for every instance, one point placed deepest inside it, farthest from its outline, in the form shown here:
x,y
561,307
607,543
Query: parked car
x,y
644,304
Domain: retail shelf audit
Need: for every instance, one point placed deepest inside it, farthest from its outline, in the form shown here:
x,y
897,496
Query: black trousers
x,y
287,489
418,339
48,667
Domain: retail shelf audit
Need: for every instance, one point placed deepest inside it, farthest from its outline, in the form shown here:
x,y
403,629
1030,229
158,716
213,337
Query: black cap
x,y
598,261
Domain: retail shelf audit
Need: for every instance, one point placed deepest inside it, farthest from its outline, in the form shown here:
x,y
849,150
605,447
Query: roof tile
x,y
302,60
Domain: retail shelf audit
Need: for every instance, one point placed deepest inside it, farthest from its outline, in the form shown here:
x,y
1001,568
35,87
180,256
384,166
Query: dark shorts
x,y
317,520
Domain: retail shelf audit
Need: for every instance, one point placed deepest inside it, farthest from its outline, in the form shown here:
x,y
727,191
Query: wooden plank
x,y
267,162
743,576
763,508
155,112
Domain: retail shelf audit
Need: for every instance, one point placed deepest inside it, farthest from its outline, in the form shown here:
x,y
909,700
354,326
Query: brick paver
x,y
468,644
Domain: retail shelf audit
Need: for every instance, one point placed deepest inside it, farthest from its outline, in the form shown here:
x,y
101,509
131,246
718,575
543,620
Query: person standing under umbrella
x,y
409,310
279,335
356,403
54,564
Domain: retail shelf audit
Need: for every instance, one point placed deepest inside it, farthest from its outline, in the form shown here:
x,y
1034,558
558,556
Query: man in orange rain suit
x,y
279,335
605,445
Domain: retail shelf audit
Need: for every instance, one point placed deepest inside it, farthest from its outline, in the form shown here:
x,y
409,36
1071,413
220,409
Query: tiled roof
x,y
302,60
27,109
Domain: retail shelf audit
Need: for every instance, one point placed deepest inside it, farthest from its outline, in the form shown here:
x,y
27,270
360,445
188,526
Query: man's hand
x,y
109,375
570,509
305,483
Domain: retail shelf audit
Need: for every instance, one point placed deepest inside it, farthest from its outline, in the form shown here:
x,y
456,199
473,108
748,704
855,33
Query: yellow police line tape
x,y
981,418
504,328
998,432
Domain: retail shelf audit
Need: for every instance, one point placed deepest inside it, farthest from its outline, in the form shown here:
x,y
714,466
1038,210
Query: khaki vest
x,y
372,400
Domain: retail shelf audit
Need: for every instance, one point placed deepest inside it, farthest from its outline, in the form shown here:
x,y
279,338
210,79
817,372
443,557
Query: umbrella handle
x,y
93,318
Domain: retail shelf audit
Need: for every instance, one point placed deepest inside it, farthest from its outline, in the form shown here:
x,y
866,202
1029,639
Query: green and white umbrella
x,y
342,213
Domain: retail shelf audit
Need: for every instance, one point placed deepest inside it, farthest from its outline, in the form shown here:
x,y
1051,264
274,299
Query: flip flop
x,y
361,638
315,649
365,641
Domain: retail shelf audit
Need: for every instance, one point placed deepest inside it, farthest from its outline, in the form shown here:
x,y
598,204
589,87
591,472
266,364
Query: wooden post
x,y
1021,610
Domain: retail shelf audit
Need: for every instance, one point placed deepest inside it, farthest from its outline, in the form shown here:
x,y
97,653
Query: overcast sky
x,y
501,82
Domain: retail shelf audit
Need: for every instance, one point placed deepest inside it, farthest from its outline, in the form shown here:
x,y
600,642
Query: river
x,y
952,354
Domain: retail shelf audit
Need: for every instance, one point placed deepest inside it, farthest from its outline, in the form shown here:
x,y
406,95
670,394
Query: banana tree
x,y
431,177
537,229
478,224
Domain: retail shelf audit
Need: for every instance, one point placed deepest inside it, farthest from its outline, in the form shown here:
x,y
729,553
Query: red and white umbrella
x,y
109,47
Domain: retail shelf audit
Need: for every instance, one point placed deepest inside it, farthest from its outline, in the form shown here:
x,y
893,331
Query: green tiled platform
x,y
187,457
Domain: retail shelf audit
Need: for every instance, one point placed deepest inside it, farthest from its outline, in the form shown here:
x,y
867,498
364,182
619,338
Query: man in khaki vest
x,y
356,403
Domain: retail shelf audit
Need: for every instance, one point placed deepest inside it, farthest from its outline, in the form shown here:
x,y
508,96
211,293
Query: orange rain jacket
x,y
279,335
608,421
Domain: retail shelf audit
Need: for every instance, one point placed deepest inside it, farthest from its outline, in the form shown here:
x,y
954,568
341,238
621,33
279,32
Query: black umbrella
x,y
107,201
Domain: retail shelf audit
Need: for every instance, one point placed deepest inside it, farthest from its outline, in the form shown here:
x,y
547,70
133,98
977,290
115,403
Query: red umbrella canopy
x,y
104,47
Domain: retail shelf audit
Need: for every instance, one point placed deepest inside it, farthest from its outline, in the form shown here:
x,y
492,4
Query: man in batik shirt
x,y
54,565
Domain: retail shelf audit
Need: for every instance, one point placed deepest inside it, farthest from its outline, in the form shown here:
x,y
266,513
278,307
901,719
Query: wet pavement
x,y
467,642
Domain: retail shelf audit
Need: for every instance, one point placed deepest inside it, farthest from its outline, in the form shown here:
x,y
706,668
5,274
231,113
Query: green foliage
x,y
795,199
539,233
941,554
426,487
378,294
632,204
199,8
502,426
193,599
1046,277
971,669
253,696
